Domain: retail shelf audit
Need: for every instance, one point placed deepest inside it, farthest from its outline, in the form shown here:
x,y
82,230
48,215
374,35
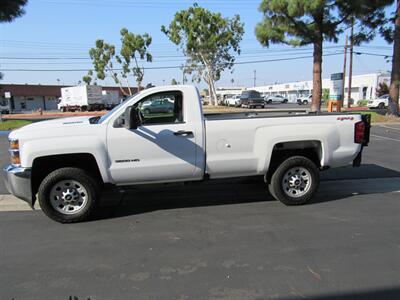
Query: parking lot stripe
x,y
388,127
384,137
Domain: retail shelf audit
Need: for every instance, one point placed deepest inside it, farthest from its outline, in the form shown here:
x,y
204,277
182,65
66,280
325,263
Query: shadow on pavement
x,y
144,199
365,171
381,294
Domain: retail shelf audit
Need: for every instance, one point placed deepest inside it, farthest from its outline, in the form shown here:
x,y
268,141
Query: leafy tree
x,y
88,78
391,32
382,89
9,10
105,60
311,22
325,94
134,46
209,42
174,82
103,56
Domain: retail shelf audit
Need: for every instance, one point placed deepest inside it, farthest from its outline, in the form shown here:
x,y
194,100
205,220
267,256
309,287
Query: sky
x,y
57,35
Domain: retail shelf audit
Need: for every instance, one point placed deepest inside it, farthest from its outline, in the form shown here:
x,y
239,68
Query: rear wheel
x,y
295,181
68,195
381,105
305,102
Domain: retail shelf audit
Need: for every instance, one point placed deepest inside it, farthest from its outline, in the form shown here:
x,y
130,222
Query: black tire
x,y
91,186
305,102
277,180
269,101
381,105
146,111
285,101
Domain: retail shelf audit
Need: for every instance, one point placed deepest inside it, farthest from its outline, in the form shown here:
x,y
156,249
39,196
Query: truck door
x,y
162,148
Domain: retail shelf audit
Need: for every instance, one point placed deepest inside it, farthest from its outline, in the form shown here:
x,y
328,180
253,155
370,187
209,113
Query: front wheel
x,y
295,181
68,195
381,105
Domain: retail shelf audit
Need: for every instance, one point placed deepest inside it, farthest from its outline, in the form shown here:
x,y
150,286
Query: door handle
x,y
183,133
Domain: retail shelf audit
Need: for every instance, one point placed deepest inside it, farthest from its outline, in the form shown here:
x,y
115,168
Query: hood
x,y
57,126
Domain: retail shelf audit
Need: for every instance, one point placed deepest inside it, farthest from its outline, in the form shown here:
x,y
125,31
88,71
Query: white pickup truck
x,y
68,163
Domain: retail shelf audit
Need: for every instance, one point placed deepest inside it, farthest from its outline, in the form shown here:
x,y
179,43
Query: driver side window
x,y
161,108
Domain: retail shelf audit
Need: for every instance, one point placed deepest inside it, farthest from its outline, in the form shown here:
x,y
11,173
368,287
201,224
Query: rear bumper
x,y
18,182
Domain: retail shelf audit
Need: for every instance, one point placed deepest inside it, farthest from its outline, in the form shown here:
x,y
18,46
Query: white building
x,y
27,97
363,87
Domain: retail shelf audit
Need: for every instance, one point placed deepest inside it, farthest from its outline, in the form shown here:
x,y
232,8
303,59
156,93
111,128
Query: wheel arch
x,y
311,149
44,165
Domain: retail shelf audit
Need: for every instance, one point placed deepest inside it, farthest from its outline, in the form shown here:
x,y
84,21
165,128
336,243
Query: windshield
x,y
108,114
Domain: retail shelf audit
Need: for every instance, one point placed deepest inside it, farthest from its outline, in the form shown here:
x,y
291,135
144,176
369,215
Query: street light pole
x,y
351,63
344,71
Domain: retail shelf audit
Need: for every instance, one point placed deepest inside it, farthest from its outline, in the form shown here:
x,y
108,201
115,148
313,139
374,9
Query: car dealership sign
x,y
337,86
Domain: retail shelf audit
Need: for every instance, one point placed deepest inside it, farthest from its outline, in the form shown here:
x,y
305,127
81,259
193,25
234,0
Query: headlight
x,y
15,159
14,152
14,144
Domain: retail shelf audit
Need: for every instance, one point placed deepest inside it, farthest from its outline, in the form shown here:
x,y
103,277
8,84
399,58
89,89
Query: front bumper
x,y
18,182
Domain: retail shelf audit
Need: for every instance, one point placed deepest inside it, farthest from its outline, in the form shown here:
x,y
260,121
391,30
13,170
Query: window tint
x,y
161,108
245,95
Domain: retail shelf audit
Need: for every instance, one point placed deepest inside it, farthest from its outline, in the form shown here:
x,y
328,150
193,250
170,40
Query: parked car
x,y
69,163
251,99
276,99
158,106
233,101
304,100
381,102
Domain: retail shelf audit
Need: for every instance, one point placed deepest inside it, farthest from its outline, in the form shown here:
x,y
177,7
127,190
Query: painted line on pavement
x,y
388,127
384,137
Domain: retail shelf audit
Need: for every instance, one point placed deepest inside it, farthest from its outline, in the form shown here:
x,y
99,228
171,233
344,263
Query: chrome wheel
x,y
296,182
68,197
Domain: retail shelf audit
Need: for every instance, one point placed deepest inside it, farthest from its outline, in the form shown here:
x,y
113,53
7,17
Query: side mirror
x,y
132,118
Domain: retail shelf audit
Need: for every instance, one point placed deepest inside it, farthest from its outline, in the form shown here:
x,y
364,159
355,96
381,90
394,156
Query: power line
x,y
243,53
166,67
372,54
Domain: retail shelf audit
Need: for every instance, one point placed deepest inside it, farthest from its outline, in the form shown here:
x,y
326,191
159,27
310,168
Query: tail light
x,y
359,132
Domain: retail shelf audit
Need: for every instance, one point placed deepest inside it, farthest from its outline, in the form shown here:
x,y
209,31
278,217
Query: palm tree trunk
x,y
317,76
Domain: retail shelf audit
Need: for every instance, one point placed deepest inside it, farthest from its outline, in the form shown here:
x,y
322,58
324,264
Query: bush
x,y
362,102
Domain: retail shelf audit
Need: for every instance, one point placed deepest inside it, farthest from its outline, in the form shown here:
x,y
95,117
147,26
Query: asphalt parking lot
x,y
220,240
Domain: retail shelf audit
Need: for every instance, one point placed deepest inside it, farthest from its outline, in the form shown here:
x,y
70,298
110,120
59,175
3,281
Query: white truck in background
x,y
110,99
68,163
81,98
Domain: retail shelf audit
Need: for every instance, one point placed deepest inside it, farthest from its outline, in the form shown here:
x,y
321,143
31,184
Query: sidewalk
x,y
11,203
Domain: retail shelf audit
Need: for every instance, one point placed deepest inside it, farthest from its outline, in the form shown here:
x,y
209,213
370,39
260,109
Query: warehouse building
x,y
26,97
364,87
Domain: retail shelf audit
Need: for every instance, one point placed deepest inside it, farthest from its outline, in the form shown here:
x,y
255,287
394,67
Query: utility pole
x,y
351,63
344,69
254,78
